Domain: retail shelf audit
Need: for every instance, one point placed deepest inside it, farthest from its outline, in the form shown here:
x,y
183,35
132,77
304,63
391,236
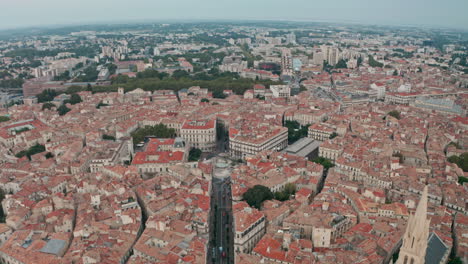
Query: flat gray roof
x,y
303,147
53,246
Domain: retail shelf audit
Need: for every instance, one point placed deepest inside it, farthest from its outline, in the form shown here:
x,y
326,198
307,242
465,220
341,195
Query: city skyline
x,y
19,14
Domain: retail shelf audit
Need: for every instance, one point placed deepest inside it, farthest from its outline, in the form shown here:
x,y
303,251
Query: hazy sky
x,y
20,13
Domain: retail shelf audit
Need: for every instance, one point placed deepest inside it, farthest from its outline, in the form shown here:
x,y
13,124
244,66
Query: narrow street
x,y
221,237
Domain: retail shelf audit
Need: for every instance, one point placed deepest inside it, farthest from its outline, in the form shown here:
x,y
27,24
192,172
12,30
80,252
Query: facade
x,y
243,144
320,131
249,226
331,54
159,154
280,91
400,98
200,134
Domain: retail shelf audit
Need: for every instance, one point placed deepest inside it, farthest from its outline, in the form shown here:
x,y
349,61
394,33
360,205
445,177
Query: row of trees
x,y
12,83
31,151
152,80
4,119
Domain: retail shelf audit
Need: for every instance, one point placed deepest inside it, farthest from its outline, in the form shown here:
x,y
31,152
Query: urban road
x,y
221,250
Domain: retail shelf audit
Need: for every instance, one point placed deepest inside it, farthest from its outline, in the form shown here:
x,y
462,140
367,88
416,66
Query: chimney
x,y
268,249
325,206
286,240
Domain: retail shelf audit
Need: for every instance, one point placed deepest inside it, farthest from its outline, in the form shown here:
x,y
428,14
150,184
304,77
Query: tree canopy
x,y
256,195
159,131
295,131
4,119
75,99
462,161
63,109
395,114
31,151
47,105
285,194
46,96
341,64
326,163
374,63
194,154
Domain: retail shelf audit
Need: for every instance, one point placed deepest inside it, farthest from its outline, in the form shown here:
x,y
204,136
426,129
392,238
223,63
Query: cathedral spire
x,y
413,249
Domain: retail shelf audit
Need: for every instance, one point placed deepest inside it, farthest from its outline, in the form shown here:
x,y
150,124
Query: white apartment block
x,y
248,145
250,226
200,134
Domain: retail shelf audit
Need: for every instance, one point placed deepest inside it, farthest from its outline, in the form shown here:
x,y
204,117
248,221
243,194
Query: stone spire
x,y
413,250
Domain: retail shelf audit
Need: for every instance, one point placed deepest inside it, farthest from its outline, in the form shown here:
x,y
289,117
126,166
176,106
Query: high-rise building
x,y
332,54
413,249
286,62
291,38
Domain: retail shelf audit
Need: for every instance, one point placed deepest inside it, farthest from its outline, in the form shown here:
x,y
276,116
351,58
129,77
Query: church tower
x,y
413,249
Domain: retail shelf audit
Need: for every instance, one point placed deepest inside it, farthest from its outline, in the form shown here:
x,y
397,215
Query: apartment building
x,y
249,226
249,142
200,134
159,154
320,131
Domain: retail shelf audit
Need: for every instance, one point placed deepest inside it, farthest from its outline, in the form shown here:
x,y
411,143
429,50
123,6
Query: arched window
x,y
405,261
412,261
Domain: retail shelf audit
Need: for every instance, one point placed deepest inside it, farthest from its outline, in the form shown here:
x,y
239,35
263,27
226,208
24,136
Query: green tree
x,y
295,131
46,96
47,105
374,63
65,76
31,151
462,180
341,64
108,137
326,163
4,119
285,194
462,161
455,260
89,74
395,73
395,114
256,195
75,99
178,74
101,104
159,131
63,109
359,61
194,154
112,68
333,135
204,100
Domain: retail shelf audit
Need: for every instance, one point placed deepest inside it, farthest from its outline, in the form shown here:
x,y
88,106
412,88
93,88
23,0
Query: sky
x,y
443,13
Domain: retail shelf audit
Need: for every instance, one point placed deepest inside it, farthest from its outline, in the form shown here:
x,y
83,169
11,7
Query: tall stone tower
x,y
413,250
